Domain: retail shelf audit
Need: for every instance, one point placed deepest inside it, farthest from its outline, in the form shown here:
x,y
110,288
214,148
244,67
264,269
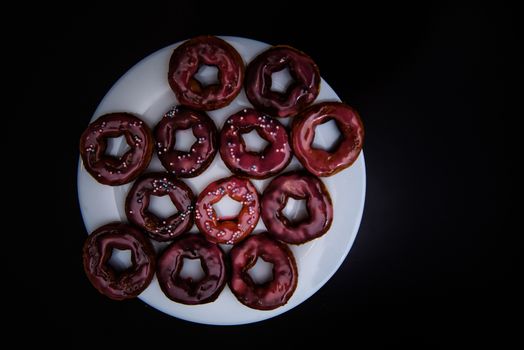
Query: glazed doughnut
x,y
297,185
275,157
110,170
318,161
185,290
202,152
269,295
97,251
228,230
185,63
160,184
302,92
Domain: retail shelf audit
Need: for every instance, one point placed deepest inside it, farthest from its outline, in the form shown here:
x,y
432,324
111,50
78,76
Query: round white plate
x,y
144,91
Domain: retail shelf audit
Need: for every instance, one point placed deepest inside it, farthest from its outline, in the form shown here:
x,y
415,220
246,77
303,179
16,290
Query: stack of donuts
x,y
215,231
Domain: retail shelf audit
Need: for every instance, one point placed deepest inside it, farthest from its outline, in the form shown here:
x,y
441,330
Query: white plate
x,y
144,90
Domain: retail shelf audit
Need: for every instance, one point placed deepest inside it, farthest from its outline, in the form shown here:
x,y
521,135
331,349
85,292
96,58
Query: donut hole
x,y
192,268
281,80
207,75
162,206
254,142
296,210
261,272
116,146
184,140
327,136
120,260
227,208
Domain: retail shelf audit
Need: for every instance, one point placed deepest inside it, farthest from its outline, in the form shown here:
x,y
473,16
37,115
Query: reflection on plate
x,y
144,90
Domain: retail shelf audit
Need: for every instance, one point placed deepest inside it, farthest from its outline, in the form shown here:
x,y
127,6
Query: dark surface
x,y
430,83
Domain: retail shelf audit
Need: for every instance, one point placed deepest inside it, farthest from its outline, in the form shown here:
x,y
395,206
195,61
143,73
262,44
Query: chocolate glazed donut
x,y
185,63
201,153
297,185
160,184
185,290
269,295
318,161
228,230
114,171
299,94
275,157
96,254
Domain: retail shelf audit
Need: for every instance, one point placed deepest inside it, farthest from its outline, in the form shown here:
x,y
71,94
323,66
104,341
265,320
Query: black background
x,y
430,82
